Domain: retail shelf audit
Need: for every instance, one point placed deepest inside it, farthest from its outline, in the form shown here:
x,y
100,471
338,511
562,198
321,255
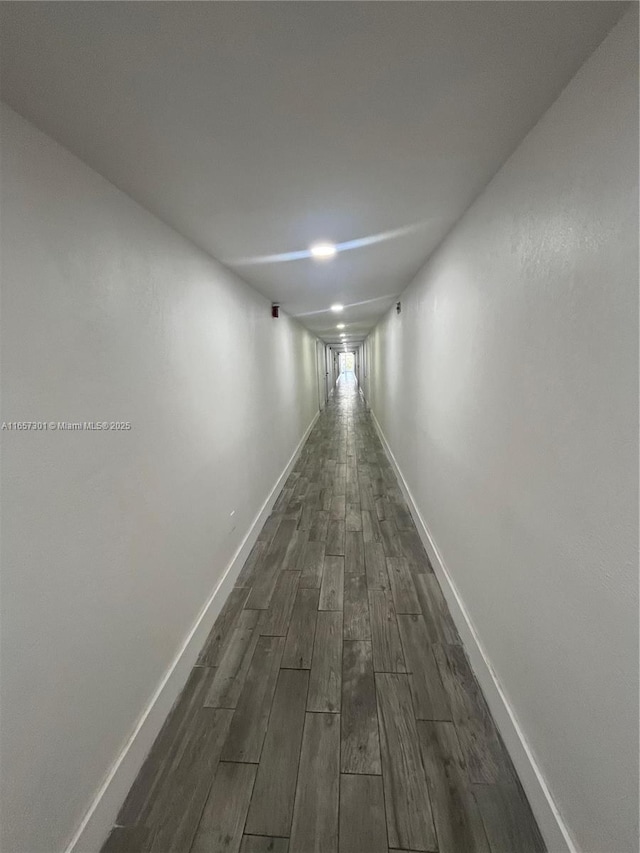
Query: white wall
x,y
113,542
508,392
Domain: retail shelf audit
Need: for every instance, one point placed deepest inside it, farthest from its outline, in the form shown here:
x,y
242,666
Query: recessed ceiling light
x,y
323,251
340,326
337,307
343,335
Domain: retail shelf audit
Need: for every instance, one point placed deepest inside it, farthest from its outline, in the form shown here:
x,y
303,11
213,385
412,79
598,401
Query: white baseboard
x,y
102,813
552,826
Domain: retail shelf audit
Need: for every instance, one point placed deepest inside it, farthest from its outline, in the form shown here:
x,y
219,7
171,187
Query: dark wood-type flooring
x,y
332,709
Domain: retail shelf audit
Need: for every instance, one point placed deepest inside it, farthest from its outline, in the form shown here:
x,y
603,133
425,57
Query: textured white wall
x,y
508,391
114,541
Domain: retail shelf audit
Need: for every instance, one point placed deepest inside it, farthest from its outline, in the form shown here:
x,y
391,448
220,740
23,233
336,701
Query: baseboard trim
x,y
102,813
552,826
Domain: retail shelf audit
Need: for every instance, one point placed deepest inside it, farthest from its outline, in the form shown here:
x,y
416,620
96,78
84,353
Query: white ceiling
x,y
257,128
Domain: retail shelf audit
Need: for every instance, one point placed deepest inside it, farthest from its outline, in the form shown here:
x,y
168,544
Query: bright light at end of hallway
x,y
323,251
337,307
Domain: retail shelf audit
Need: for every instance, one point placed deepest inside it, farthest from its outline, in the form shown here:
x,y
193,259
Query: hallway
x,y
314,720
219,627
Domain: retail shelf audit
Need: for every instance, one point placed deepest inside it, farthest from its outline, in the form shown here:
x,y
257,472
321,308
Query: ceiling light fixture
x,y
337,308
323,251
340,326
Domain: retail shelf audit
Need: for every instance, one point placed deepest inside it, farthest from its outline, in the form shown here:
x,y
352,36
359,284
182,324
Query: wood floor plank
x,y
402,516
354,518
374,467
298,648
408,809
271,807
507,818
376,566
413,549
231,674
353,553
363,826
225,812
292,479
455,812
293,511
387,648
126,839
484,754
301,487
222,630
262,589
320,527
340,485
370,527
270,528
353,492
326,496
283,499
325,683
168,746
390,538
360,745
312,565
335,538
435,611
275,620
309,509
402,587
338,508
387,473
367,500
263,844
430,702
356,608
249,724
293,556
332,589
252,564
340,479
315,814
173,820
